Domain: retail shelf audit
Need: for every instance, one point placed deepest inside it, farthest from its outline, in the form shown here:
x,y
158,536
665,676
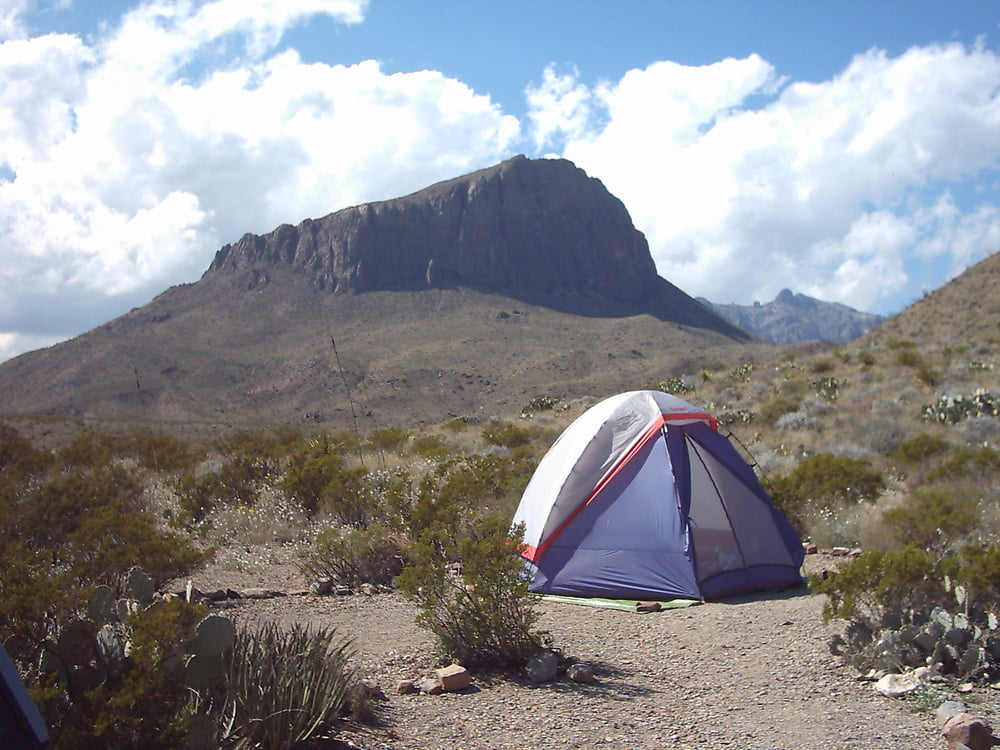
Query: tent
x,y
642,498
21,725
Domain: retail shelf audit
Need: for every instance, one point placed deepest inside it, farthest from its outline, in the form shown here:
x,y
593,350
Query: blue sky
x,y
842,152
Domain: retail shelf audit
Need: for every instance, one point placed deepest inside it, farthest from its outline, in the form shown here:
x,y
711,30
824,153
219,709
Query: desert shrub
x,y
980,574
320,480
882,437
388,438
979,430
909,358
821,365
927,374
867,359
157,452
875,580
89,449
920,448
675,385
972,464
287,687
824,480
483,617
772,411
19,459
460,490
429,446
797,421
354,556
506,435
742,372
933,517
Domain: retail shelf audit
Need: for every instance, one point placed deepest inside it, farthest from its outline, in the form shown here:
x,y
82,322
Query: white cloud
x,y
745,184
127,162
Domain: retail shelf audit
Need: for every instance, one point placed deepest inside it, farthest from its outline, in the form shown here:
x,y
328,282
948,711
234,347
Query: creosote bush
x,y
355,556
483,616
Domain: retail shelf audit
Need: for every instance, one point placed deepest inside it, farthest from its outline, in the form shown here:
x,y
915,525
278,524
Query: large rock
x,y
538,230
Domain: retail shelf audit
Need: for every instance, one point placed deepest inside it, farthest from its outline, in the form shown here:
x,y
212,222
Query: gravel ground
x,y
753,673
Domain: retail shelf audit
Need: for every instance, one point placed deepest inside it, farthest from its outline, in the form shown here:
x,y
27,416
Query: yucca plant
x,y
287,686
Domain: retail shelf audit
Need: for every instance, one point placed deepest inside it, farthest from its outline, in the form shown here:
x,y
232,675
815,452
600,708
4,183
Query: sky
x,y
845,150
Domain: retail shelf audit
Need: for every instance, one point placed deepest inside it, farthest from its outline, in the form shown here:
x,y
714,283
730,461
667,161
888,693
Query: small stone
x,y
896,685
583,673
647,607
219,595
256,594
343,591
809,548
431,686
368,589
372,689
840,551
965,730
405,687
452,678
321,586
948,709
543,667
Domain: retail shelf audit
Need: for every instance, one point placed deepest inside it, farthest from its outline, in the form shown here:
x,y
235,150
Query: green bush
x,y
968,464
867,359
506,435
875,580
920,448
388,438
823,481
355,556
777,408
287,687
483,617
933,517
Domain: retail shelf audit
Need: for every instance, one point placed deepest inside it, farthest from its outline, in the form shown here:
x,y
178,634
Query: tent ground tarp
x,y
625,605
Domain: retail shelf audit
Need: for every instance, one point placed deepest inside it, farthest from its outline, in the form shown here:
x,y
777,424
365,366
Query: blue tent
x,y
21,726
642,498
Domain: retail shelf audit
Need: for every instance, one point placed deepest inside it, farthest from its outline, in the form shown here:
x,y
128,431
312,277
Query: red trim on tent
x,y
650,432
533,553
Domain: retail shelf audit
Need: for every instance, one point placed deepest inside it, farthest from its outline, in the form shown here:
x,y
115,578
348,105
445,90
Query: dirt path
x,y
754,674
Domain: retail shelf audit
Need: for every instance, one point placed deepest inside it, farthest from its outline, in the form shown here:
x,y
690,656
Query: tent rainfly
x,y
642,498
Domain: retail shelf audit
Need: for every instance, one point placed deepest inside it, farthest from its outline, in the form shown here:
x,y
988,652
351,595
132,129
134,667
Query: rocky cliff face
x,y
795,318
537,230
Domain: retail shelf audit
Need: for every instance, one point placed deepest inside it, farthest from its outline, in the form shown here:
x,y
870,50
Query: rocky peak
x,y
536,229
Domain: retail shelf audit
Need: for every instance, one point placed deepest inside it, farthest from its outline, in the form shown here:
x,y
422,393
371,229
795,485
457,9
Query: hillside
x,y
465,299
967,308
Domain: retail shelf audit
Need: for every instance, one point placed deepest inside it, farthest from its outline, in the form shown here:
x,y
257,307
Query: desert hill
x,y
967,308
467,298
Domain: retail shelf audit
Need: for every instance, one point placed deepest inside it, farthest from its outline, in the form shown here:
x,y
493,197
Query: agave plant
x,y
287,685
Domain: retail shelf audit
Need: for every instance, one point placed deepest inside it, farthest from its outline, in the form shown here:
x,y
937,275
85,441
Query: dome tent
x,y
642,498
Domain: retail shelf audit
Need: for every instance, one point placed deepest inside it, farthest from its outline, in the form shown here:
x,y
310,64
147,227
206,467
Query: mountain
x,y
796,318
967,308
467,298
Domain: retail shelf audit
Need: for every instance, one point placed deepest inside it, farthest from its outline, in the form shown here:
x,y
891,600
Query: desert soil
x,y
753,673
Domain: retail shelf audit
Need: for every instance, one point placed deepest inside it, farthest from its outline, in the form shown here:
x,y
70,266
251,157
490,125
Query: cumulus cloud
x,y
127,160
745,183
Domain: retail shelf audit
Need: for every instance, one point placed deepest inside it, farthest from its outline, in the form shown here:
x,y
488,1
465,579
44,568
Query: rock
x,y
260,594
368,589
405,687
583,673
809,548
840,551
948,709
373,690
343,591
219,595
453,677
543,667
539,229
895,685
431,686
321,586
647,607
966,730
